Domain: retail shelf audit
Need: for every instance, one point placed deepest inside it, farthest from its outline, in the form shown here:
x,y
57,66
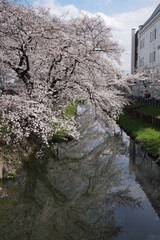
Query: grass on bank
x,y
144,133
70,110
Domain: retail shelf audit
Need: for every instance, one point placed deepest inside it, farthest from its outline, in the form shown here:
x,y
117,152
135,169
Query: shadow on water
x,y
76,192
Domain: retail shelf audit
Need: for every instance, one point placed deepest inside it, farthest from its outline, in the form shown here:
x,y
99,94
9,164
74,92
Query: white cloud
x,y
121,24
58,9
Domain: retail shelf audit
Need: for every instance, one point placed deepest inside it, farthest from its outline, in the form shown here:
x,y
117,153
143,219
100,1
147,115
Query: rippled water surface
x,y
98,188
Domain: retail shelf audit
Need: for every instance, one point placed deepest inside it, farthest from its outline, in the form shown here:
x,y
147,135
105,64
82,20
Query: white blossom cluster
x,y
145,83
22,118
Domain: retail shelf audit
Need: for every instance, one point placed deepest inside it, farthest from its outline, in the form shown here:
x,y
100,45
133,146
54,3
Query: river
x,y
100,187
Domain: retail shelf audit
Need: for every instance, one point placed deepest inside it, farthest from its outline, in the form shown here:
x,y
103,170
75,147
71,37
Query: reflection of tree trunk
x,y
132,155
132,150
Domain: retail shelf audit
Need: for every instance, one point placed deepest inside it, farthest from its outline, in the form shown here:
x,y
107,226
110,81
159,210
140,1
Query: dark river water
x,y
100,187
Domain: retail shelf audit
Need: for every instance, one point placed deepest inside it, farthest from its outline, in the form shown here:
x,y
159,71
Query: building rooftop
x,y
156,11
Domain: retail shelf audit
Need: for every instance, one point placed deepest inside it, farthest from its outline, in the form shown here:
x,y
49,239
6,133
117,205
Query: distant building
x,y
145,52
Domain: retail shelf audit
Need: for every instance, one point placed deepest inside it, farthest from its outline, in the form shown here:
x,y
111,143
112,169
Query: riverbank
x,y
147,135
14,157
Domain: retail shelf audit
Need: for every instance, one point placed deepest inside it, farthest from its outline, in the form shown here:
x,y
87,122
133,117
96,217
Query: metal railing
x,y
144,117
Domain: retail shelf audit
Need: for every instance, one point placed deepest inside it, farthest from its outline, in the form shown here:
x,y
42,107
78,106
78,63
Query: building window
x,y
153,35
142,43
152,57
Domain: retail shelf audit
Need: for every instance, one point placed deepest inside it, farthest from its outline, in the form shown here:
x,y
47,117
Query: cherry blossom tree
x,y
145,83
58,61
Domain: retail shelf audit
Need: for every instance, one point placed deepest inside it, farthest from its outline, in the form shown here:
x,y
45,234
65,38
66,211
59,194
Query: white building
x,y
146,44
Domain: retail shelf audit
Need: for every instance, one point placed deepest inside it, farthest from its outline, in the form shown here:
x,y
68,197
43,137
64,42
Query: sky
x,y
120,15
